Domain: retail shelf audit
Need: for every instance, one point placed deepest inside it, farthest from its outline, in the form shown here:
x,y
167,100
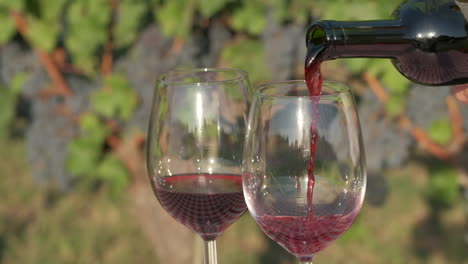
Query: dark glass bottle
x,y
427,41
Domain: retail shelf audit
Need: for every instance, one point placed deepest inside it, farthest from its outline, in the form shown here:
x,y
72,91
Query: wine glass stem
x,y
210,252
305,262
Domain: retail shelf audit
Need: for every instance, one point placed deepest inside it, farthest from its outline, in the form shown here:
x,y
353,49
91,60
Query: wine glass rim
x,y
342,89
239,75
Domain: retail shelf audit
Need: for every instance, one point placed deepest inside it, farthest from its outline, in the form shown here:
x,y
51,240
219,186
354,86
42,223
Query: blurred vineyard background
x,y
76,81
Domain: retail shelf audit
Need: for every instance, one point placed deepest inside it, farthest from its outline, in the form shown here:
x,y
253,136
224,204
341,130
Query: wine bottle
x,y
427,41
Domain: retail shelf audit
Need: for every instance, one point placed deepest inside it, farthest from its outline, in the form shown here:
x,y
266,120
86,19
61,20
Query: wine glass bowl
x,y
304,173
194,151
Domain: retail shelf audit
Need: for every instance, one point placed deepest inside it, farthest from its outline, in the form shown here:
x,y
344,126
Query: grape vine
x,y
113,49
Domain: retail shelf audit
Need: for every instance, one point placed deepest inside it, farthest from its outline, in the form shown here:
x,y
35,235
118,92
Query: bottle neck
x,y
368,39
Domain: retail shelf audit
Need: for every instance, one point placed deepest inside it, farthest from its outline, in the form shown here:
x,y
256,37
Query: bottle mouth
x,y
318,41
316,35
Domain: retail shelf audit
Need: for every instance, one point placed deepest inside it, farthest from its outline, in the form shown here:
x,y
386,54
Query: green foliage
x,y
250,18
442,190
52,10
441,131
16,84
84,152
235,56
359,231
395,82
208,8
86,160
384,70
8,98
83,156
115,173
356,9
350,9
16,5
131,13
8,26
358,65
44,23
280,9
395,106
118,100
87,31
93,128
175,17
80,227
42,35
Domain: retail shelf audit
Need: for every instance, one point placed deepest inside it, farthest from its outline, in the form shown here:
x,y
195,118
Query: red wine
x,y
205,203
305,236
313,74
314,81
427,41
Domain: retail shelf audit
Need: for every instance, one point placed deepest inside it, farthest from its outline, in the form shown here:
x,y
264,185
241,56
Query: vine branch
x,y
417,132
108,57
457,120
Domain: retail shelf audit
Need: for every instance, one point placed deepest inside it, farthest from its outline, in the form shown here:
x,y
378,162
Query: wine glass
x,y
304,173
194,152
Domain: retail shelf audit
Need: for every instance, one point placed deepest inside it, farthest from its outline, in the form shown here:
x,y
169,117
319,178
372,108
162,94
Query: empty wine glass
x,y
194,152
304,173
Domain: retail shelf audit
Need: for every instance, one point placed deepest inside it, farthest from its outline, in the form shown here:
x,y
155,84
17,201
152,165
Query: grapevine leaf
x,y
443,187
355,10
250,18
385,9
8,26
93,128
441,131
395,105
210,7
16,5
100,11
379,66
103,103
42,34
395,82
17,83
252,59
175,18
87,31
51,10
83,156
114,172
126,28
75,12
119,101
357,65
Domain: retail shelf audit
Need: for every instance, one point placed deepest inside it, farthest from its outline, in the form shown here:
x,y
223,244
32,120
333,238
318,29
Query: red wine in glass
x,y
301,193
205,203
305,236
